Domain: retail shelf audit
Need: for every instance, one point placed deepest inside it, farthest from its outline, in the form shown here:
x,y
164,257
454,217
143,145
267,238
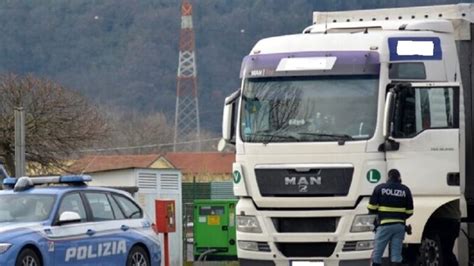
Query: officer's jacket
x,y
392,202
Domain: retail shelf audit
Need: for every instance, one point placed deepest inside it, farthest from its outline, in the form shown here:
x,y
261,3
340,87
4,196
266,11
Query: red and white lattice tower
x,y
187,128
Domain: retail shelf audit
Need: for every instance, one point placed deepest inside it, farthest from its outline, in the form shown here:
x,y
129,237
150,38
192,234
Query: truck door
x,y
425,125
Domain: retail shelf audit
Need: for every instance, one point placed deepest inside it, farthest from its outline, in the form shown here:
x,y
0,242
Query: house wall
x,y
205,177
116,178
162,163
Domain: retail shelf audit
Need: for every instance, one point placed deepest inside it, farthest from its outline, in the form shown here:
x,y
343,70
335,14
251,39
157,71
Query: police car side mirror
x,y
69,217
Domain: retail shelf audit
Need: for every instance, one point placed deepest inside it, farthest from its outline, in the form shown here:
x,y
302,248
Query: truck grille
x,y
350,246
263,247
323,182
306,225
305,250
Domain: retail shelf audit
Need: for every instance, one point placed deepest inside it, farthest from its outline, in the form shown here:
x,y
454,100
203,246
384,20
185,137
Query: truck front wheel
x,y
431,251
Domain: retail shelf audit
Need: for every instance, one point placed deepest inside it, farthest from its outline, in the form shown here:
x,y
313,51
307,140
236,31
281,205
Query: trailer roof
x,y
461,15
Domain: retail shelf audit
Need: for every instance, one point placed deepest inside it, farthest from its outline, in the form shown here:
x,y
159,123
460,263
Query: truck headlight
x,y
363,223
254,246
4,247
364,245
248,224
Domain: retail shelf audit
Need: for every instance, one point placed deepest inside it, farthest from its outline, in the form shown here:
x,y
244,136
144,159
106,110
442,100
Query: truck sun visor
x,y
311,63
306,63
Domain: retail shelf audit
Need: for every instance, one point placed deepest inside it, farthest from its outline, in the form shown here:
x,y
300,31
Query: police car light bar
x,y
9,182
67,179
24,183
75,178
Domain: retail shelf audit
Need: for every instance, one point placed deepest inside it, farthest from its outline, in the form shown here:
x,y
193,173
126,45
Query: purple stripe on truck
x,y
347,63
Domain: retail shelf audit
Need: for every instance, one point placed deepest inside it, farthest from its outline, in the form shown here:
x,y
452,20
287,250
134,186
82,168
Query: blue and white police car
x,y
51,221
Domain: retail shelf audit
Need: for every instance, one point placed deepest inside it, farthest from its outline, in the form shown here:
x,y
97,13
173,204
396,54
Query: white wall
x,y
166,188
116,178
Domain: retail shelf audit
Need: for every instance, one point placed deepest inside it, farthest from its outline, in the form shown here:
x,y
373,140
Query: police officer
x,y
393,204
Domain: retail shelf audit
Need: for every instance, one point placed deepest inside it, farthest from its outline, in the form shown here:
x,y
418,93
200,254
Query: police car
x,y
51,221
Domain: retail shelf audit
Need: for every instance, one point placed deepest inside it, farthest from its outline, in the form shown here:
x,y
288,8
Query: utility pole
x,y
19,142
186,126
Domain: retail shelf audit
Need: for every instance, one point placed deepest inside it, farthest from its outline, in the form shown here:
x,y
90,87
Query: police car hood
x,y
10,227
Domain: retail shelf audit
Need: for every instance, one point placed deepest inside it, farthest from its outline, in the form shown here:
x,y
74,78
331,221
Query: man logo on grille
x,y
303,182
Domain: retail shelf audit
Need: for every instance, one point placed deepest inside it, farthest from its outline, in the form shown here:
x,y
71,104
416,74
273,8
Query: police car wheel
x,y
138,257
28,257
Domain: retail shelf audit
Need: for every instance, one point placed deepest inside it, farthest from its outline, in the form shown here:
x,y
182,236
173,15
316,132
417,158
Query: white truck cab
x,y
322,116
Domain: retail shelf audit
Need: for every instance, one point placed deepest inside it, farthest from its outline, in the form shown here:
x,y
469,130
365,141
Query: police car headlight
x,y
4,247
248,224
363,223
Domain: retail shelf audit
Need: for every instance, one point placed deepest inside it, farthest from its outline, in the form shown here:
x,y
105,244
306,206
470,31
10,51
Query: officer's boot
x,y
376,264
396,264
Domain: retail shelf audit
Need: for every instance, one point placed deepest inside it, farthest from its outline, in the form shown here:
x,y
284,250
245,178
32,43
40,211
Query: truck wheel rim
x,y
29,261
138,260
431,251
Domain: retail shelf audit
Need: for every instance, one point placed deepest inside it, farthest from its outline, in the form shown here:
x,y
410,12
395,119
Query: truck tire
x,y
138,257
28,257
431,253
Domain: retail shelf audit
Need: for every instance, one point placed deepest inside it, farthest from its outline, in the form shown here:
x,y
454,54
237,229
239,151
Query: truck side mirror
x,y
388,116
228,120
389,144
389,102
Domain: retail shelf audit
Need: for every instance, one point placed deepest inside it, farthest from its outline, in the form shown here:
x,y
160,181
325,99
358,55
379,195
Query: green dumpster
x,y
214,229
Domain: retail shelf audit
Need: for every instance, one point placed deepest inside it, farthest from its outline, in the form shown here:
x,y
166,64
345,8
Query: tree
x,y
58,121
132,132
137,133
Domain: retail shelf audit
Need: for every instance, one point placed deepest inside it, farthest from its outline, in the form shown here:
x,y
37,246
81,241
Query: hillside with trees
x,y
123,54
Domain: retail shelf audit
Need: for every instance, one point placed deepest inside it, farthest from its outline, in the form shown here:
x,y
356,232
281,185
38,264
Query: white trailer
x,y
323,115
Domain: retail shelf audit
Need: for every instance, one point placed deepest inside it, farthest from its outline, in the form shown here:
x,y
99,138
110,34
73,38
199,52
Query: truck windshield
x,y
25,208
309,109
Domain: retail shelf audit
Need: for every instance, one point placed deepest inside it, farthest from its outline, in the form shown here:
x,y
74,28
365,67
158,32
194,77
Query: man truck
x,y
322,116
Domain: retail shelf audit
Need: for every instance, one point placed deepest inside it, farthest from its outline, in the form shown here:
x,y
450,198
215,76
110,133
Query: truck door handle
x,y
225,228
124,227
90,232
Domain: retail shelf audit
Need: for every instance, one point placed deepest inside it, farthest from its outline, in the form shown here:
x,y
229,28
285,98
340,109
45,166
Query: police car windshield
x,y
25,208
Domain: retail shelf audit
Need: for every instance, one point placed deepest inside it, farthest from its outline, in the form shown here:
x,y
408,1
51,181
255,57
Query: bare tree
x,y
142,133
132,132
58,121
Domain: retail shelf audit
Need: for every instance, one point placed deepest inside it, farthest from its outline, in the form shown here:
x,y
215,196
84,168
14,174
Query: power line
x,y
146,146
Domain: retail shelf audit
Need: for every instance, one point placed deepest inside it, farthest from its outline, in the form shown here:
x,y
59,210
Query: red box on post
x,y
165,216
